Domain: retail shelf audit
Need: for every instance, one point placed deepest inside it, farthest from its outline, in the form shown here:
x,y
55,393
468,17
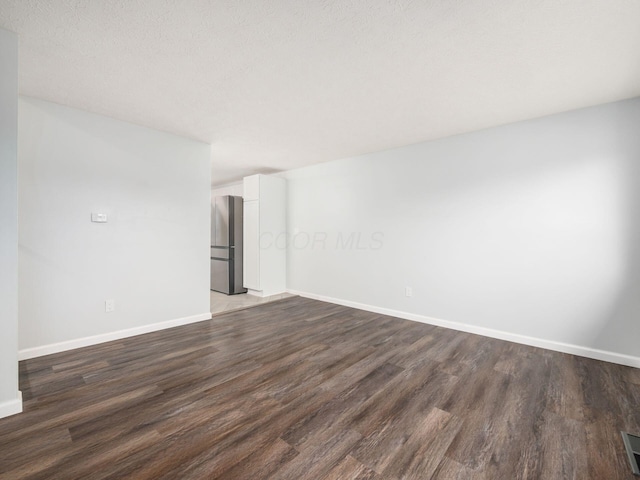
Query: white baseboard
x,y
588,352
263,294
11,407
107,337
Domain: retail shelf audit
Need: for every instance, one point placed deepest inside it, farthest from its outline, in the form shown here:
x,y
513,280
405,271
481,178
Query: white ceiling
x,y
277,84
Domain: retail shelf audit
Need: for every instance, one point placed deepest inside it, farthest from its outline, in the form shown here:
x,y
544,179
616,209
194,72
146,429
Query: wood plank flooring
x,y
300,389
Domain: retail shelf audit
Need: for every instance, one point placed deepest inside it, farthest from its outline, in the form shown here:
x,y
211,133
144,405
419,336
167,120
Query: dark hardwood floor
x,y
301,389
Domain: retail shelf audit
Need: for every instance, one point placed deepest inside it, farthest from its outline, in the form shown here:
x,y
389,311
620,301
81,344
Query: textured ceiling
x,y
273,85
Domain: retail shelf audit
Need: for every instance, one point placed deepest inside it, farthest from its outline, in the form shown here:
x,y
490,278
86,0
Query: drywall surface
x,y
9,395
235,189
152,255
531,228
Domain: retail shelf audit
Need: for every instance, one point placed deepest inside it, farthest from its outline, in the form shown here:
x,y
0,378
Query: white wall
x,y
152,257
9,395
530,229
235,189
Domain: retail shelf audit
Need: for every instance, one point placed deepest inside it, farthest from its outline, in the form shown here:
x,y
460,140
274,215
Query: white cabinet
x,y
251,188
251,238
265,235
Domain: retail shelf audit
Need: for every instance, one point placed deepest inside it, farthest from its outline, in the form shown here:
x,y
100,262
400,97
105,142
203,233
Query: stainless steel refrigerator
x,y
226,245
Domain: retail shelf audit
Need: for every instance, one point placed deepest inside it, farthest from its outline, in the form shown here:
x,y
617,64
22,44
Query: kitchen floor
x,y
226,303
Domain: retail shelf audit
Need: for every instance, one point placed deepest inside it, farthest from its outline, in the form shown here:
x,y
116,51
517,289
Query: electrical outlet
x,y
109,305
408,291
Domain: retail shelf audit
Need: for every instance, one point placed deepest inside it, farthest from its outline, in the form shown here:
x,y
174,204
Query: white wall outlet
x,y
99,217
109,305
408,291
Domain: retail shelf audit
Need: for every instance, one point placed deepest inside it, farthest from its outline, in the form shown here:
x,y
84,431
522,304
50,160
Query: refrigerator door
x,y
221,222
220,275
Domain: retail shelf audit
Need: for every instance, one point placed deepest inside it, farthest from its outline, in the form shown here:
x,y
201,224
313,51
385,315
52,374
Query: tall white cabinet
x,y
265,235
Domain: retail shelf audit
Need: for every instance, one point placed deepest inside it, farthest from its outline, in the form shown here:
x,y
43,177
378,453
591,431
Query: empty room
x,y
328,239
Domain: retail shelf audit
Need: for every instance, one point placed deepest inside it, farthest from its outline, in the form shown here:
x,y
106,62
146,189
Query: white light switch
x,y
99,217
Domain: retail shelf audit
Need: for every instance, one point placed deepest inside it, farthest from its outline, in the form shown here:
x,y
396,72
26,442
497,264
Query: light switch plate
x,y
99,217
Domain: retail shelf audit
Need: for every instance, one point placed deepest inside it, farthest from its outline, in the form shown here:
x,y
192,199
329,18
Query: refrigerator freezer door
x,y
220,276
